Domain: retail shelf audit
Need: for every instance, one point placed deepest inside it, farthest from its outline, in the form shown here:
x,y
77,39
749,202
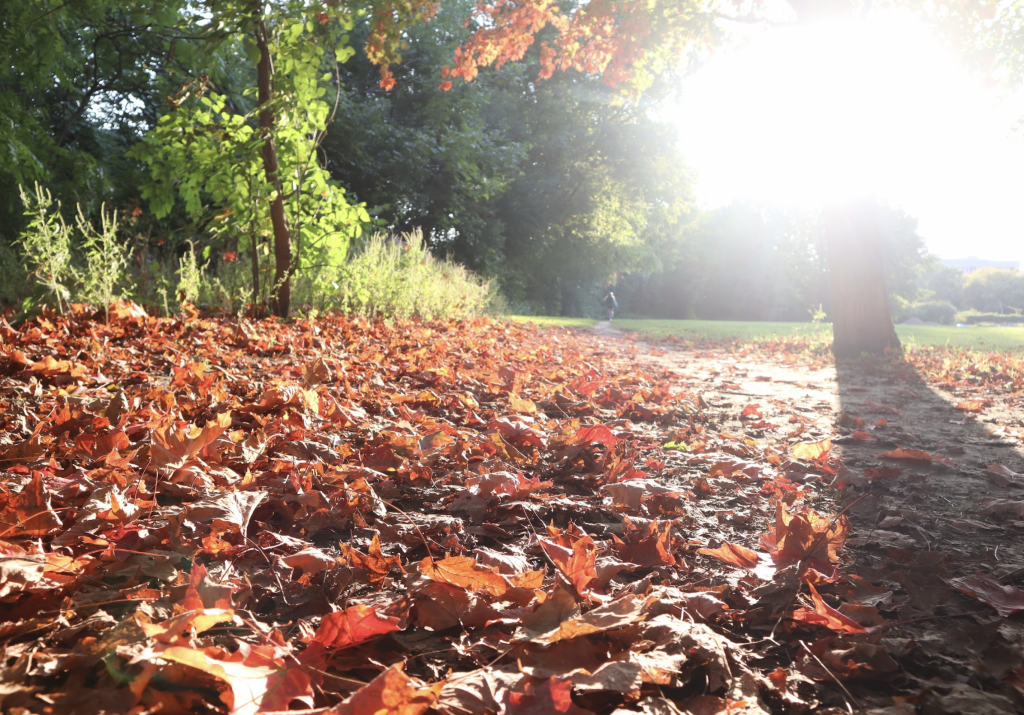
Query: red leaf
x,y
824,615
546,698
595,434
577,564
356,624
805,535
733,554
646,543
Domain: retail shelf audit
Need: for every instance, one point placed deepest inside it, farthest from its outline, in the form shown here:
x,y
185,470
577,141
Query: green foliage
x,y
994,290
208,151
107,261
400,278
46,247
941,282
928,311
548,187
977,317
79,82
190,277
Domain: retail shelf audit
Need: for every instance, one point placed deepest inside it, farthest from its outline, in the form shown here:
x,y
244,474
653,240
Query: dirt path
x,y
937,651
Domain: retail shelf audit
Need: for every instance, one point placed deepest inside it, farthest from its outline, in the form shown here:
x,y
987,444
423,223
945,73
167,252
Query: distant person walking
x,y
610,304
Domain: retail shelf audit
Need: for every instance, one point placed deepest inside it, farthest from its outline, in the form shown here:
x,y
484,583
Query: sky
x,y
801,115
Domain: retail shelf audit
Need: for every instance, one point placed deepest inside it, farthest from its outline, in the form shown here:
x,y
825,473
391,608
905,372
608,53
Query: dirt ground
x,y
911,533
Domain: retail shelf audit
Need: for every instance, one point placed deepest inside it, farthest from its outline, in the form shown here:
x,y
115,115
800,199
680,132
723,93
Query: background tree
x,y
81,82
994,290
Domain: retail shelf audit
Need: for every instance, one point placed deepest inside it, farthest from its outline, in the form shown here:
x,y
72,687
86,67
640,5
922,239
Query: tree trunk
x,y
280,296
861,322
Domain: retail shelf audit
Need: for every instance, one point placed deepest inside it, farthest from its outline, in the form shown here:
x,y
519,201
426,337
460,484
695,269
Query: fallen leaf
x,y
813,451
733,554
1004,476
1007,600
464,572
915,454
391,693
356,624
824,615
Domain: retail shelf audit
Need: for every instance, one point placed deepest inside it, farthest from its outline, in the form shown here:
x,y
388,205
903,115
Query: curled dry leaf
x,y
577,563
824,615
391,693
256,678
617,614
813,451
733,554
356,624
917,455
805,535
1004,476
1007,600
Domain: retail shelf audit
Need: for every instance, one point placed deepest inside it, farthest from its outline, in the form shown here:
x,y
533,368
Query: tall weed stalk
x,y
46,247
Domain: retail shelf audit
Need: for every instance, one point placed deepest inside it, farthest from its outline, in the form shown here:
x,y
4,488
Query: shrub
x,y
399,277
976,317
930,311
105,278
935,311
46,247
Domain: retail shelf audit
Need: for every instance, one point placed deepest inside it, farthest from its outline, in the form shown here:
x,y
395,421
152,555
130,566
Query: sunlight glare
x,y
806,114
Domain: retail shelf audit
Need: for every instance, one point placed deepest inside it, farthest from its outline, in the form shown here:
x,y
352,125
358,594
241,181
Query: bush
x,y
400,278
929,311
935,311
976,317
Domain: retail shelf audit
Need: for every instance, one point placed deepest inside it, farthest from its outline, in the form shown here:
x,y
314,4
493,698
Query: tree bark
x,y
280,296
861,322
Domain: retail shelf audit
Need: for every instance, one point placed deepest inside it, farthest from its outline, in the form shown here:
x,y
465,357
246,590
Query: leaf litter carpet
x,y
343,516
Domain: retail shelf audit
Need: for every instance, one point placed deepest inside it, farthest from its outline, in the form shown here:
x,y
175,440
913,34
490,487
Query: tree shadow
x,y
944,504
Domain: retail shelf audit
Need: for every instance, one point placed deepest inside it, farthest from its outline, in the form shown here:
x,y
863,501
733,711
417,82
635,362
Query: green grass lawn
x,y
1002,339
